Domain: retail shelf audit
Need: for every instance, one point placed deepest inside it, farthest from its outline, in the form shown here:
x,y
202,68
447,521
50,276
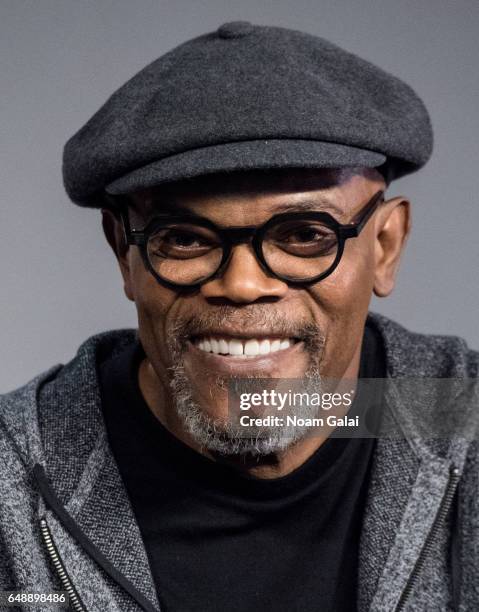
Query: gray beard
x,y
227,437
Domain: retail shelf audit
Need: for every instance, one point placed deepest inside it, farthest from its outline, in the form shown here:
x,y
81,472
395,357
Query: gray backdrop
x,y
60,59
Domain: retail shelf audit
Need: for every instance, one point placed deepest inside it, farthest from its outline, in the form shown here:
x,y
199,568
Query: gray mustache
x,y
257,317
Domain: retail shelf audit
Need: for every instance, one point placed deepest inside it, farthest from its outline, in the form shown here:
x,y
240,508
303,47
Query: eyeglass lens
x,y
300,249
185,253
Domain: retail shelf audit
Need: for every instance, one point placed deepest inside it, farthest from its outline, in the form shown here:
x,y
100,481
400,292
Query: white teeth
x,y
275,346
251,347
238,348
224,349
264,347
235,347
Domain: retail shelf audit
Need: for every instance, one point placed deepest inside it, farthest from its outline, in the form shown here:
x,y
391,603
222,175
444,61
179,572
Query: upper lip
x,y
225,332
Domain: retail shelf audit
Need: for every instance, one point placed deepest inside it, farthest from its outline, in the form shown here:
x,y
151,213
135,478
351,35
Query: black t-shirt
x,y
220,541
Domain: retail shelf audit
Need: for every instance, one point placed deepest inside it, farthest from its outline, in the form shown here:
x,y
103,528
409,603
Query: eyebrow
x,y
308,205
300,205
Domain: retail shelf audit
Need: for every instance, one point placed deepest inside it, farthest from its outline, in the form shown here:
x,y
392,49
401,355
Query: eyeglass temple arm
x,y
118,205
133,237
354,229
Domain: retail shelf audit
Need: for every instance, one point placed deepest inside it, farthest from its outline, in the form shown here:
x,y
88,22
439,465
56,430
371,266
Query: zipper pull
x,y
446,503
76,603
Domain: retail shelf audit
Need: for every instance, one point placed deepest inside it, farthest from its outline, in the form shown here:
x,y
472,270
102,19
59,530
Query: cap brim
x,y
245,155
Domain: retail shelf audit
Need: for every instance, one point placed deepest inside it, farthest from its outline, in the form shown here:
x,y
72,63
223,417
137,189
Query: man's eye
x,y
305,240
181,243
184,239
306,235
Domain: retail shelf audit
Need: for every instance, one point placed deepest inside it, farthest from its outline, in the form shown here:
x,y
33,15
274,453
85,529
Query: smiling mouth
x,y
242,347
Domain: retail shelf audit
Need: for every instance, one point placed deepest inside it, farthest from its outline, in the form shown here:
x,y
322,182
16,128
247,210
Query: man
x,y
242,178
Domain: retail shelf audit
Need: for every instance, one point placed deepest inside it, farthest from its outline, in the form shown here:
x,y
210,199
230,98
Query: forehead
x,y
251,197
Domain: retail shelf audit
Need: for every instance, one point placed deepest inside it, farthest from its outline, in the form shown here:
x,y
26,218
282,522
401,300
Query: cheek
x,y
150,297
350,286
343,300
153,303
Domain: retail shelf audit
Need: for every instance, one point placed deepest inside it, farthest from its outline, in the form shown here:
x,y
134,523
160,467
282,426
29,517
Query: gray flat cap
x,y
247,97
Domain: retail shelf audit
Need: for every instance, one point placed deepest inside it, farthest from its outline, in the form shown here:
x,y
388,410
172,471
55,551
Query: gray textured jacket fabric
x,y
66,521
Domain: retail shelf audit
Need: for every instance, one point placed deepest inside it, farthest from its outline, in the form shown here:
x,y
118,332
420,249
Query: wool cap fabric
x,y
247,97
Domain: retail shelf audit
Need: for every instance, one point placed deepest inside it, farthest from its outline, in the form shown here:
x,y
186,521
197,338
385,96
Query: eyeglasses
x,y
300,248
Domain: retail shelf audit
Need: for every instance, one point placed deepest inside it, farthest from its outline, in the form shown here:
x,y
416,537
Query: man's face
x,y
319,327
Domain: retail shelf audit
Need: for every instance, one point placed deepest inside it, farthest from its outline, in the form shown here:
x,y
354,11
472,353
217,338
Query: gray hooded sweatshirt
x,y
66,522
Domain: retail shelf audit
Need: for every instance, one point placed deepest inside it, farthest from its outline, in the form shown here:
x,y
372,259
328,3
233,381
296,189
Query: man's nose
x,y
244,280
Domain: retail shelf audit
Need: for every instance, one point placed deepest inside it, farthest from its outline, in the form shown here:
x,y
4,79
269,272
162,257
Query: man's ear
x,y
113,230
393,228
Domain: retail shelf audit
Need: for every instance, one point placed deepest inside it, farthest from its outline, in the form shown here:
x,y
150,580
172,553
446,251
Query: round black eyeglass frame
x,y
231,236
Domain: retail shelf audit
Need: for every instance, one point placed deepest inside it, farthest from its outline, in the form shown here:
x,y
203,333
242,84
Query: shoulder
x,y
16,412
54,390
410,353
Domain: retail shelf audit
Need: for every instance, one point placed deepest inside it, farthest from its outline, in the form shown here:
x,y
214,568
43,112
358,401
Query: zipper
x,y
52,501
76,603
454,476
